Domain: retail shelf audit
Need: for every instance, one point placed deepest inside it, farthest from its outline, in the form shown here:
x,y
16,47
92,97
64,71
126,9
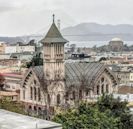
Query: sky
x,y
25,17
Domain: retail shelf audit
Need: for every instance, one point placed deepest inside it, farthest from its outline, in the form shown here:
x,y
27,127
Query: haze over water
x,y
93,43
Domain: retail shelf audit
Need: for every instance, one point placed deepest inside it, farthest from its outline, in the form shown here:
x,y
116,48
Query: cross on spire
x,y
53,18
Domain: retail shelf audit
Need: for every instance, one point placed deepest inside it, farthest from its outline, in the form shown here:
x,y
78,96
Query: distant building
x,y
2,47
125,92
124,74
19,48
79,57
10,65
126,77
12,81
116,44
13,96
86,50
11,87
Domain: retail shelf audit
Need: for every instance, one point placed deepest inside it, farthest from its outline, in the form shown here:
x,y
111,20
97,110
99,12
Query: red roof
x,y
12,75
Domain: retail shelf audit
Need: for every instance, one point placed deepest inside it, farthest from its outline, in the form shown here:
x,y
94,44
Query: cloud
x,y
6,6
19,17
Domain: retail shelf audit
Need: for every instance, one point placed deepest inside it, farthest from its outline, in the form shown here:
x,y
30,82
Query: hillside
x,y
98,32
85,32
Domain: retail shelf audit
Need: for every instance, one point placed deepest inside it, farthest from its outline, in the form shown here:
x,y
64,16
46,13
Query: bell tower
x,y
53,47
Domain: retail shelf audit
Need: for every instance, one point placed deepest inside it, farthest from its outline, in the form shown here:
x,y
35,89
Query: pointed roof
x,y
53,36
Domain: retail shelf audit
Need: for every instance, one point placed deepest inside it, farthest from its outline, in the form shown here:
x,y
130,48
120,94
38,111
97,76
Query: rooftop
x,y
53,35
7,93
12,75
10,120
117,39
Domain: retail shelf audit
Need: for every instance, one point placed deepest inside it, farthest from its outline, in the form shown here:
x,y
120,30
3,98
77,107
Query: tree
x,y
86,117
31,42
106,113
7,104
2,79
36,61
125,47
117,108
102,59
49,83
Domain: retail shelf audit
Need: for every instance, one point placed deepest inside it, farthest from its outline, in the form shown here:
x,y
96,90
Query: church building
x,y
59,82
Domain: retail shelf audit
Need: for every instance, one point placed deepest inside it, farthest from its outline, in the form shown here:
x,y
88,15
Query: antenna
x,y
58,23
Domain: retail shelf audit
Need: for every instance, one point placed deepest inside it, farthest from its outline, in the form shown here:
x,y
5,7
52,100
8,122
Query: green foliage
x,y
2,79
117,109
9,105
36,61
107,113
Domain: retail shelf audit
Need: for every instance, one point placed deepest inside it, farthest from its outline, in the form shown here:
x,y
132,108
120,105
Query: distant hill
x,y
11,39
84,32
98,32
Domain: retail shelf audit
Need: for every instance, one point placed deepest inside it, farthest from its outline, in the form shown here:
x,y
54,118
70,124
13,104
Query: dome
x,y
116,39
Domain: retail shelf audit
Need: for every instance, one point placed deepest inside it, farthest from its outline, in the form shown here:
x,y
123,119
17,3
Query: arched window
x,y
49,100
87,92
73,95
30,107
102,89
35,109
23,94
66,96
35,93
102,79
98,90
107,88
34,82
80,94
58,99
39,95
31,93
39,110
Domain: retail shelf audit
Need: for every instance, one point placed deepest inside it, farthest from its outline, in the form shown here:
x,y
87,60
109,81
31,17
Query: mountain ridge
x,y
84,32
95,31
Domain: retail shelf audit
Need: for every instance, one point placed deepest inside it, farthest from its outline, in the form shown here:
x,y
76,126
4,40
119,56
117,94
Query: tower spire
x,y
53,18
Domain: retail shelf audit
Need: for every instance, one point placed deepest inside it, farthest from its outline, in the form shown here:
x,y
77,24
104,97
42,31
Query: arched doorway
x,y
35,109
39,111
29,110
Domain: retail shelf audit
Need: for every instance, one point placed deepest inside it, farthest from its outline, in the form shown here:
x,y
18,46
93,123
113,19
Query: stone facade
x,y
59,83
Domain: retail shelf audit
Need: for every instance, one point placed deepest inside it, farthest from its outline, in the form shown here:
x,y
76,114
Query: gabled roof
x,y
37,71
76,72
53,36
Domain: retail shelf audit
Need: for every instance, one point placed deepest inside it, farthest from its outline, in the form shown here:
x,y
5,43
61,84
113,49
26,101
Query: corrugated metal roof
x,y
38,70
82,72
77,72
